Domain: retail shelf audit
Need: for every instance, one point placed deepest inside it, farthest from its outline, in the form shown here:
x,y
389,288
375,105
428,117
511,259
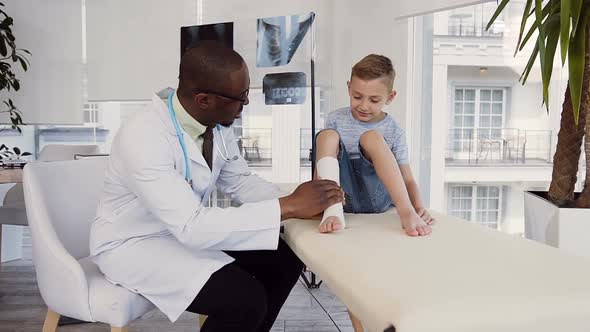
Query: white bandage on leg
x,y
328,169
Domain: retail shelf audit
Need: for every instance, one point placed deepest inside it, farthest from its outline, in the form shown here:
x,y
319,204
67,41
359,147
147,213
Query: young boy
x,y
365,150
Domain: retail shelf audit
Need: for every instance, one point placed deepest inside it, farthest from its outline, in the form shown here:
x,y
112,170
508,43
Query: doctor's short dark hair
x,y
207,66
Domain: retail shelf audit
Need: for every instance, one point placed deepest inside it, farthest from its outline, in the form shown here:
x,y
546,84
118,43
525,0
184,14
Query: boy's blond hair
x,y
375,66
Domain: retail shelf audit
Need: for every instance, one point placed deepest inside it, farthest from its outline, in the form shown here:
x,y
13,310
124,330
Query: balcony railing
x,y
469,29
498,146
472,21
256,146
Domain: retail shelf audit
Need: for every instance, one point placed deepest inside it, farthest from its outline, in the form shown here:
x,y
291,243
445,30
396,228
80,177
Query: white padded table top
x,y
462,278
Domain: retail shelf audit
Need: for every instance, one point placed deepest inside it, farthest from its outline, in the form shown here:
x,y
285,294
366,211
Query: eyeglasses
x,y
242,98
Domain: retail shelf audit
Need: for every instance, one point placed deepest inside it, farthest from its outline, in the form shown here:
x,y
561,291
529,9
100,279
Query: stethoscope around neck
x,y
180,135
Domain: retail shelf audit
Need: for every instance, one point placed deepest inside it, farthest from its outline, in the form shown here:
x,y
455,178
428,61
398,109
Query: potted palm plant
x,y
561,217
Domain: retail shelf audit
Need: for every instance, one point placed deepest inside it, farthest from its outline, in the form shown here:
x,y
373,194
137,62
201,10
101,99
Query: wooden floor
x,y
22,309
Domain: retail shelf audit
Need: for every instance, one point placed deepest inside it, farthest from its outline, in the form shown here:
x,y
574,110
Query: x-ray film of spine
x,y
190,36
279,37
284,88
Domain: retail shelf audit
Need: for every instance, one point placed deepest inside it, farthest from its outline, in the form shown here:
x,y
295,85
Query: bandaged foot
x,y
333,219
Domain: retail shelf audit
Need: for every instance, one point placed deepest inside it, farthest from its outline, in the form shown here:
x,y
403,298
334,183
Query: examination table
x,y
462,278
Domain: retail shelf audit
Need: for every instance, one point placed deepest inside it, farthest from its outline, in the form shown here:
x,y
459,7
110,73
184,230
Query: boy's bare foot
x,y
425,215
331,224
414,225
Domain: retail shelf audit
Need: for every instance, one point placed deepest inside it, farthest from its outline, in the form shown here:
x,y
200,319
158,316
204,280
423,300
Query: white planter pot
x,y
564,228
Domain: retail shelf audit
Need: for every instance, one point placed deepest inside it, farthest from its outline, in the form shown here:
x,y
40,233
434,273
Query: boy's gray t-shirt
x,y
351,129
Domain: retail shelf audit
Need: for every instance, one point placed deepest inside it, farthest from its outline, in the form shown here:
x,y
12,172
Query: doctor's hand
x,y
310,199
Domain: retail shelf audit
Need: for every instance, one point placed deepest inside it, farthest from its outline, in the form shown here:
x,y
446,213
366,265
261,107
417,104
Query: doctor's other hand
x,y
310,199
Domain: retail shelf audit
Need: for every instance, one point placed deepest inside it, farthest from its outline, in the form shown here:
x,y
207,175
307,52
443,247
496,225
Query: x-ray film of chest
x,y
279,37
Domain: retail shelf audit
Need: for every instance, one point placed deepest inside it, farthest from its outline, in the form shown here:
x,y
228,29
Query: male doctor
x,y
154,233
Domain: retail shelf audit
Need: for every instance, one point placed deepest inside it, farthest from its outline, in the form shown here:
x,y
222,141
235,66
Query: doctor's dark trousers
x,y
247,294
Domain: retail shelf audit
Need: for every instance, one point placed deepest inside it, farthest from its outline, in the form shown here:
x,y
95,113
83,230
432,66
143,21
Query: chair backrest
x,y
52,152
56,152
61,199
78,156
64,196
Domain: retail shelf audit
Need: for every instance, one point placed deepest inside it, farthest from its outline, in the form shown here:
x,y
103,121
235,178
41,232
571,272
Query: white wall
x,y
374,31
440,100
441,23
513,207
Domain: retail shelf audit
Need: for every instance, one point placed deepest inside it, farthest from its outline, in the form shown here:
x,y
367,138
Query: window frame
x,y
476,136
474,210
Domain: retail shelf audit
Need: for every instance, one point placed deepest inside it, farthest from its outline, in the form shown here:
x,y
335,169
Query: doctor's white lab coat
x,y
153,234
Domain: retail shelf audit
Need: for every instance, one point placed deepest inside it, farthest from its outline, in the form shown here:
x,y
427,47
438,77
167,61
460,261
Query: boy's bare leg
x,y
328,145
357,326
377,151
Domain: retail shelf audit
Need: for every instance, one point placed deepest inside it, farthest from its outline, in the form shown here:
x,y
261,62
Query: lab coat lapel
x,y
192,150
201,175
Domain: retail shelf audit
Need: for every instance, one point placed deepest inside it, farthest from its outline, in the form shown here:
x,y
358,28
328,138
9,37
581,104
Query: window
x,y
463,119
491,112
477,113
461,199
91,113
476,203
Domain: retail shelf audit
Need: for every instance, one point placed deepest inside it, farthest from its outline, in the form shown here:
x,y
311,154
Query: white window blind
x,y
51,90
133,47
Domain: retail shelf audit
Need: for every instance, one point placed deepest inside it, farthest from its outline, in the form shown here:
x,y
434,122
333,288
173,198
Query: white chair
x,y
12,211
61,199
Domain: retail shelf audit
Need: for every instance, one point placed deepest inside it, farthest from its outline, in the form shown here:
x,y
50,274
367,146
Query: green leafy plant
x,y
10,55
562,27
15,153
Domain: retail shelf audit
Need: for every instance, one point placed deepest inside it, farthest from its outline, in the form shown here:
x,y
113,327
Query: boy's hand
x,y
425,215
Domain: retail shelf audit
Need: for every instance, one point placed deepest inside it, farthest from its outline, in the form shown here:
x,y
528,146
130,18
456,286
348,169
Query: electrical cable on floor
x,y
332,304
321,306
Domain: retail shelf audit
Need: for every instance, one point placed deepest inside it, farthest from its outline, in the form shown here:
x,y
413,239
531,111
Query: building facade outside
x,y
499,139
